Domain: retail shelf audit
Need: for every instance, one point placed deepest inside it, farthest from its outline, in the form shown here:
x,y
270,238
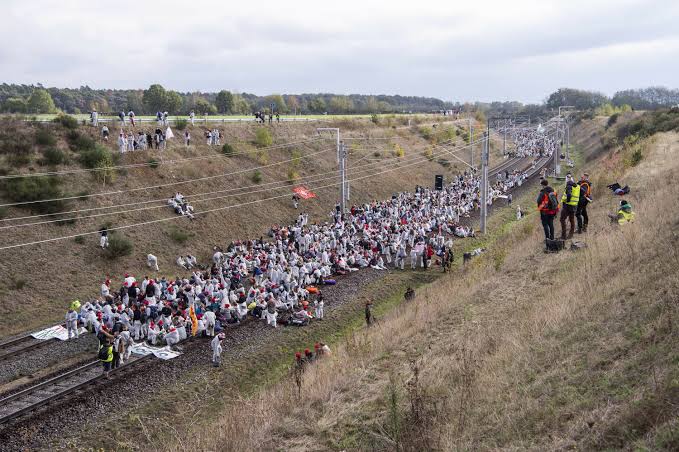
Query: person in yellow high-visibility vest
x,y
624,215
569,200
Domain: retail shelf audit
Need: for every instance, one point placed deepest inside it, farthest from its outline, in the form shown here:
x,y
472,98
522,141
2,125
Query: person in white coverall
x,y
210,320
216,346
72,323
152,262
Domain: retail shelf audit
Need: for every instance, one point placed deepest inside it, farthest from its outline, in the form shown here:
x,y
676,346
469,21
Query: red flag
x,y
304,192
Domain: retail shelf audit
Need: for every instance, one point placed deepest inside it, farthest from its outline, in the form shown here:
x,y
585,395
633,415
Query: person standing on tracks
x,y
548,207
72,322
570,200
106,356
585,198
217,349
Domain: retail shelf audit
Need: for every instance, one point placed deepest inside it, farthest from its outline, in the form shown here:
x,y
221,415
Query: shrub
x,y
293,175
15,143
179,235
153,163
79,239
83,195
636,157
296,158
443,162
3,212
35,189
426,132
81,142
118,246
92,157
257,177
53,156
18,284
612,120
375,119
227,149
399,151
106,172
262,157
263,137
44,137
67,121
377,154
180,124
429,154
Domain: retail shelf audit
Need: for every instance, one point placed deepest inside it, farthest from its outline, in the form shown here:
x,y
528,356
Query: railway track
x,y
65,384
20,345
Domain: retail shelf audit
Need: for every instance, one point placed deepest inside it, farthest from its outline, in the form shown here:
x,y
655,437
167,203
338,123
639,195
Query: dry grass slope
x,y
521,351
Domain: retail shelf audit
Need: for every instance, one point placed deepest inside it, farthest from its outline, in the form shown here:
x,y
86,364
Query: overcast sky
x,y
454,50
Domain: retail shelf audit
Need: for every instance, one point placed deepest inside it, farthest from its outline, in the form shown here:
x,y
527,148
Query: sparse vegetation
x,y
181,124
53,156
35,189
178,235
257,177
375,119
228,150
398,151
118,246
69,122
153,163
263,137
44,137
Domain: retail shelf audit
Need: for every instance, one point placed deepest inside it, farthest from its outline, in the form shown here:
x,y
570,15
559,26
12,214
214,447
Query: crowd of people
x,y
279,280
140,140
531,142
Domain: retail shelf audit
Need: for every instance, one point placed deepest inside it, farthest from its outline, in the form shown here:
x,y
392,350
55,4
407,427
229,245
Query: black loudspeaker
x,y
438,182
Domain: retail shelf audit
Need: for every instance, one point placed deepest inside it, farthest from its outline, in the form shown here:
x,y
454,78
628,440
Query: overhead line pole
x,y
342,164
484,180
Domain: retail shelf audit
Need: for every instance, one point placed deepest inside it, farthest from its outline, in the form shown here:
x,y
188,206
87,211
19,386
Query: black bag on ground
x,y
554,246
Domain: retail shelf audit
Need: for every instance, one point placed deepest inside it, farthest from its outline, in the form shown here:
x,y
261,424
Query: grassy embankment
x,y
524,350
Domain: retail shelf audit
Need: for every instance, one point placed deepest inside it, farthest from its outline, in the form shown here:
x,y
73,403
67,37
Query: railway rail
x,y
65,384
20,345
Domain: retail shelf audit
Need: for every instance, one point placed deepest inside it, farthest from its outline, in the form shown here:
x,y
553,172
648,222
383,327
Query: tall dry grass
x,y
508,354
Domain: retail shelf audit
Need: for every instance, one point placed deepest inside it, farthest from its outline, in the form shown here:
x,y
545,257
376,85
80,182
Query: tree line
x,y
34,99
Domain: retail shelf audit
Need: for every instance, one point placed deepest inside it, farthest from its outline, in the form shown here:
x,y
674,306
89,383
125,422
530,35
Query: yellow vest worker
x,y
575,196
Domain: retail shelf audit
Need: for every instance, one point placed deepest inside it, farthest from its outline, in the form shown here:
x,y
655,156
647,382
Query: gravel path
x,y
45,429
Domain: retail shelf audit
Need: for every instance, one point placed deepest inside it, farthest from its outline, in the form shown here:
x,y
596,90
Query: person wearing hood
x,y
72,322
216,346
548,205
570,200
624,215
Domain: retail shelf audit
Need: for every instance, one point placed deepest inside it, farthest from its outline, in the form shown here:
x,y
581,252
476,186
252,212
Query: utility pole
x,y
344,189
557,166
484,181
471,140
504,140
341,161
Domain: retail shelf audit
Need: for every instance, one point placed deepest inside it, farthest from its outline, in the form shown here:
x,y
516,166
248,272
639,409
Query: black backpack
x,y
103,353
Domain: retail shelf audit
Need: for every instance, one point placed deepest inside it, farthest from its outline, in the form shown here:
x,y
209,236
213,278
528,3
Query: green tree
x,y
224,101
155,98
317,105
293,104
202,106
135,102
15,105
341,104
241,105
278,101
40,101
173,102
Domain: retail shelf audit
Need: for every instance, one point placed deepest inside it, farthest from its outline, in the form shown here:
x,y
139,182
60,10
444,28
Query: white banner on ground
x,y
159,352
55,332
